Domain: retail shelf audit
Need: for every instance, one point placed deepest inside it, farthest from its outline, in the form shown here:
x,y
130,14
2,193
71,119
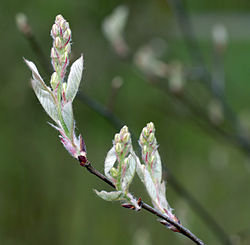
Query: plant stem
x,y
184,231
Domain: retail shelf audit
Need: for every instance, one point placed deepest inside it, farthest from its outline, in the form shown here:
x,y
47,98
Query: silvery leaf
x,y
46,99
67,114
35,74
109,161
109,196
150,186
162,196
129,172
156,168
140,169
74,79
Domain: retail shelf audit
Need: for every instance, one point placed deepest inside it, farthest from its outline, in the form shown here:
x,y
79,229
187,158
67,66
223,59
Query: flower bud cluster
x,y
122,143
61,49
148,143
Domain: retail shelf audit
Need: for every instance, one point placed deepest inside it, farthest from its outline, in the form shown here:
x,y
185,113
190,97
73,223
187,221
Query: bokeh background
x,y
46,198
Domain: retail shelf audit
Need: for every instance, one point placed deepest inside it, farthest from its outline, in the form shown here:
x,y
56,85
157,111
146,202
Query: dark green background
x,y
46,198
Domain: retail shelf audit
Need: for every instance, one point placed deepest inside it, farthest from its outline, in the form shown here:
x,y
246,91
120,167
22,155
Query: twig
x,y
185,25
116,84
117,123
184,231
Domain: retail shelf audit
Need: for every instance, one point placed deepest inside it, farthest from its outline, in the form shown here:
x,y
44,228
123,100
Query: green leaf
x,y
74,79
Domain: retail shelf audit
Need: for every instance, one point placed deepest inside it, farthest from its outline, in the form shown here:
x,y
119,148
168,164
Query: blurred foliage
x,y
46,198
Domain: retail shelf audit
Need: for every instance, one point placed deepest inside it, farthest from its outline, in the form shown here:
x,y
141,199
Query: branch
x,y
186,27
184,231
117,123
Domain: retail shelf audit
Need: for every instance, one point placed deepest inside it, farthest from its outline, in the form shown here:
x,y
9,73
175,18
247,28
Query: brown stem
x,y
184,231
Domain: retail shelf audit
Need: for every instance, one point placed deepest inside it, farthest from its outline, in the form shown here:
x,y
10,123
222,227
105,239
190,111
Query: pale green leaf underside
x,y
130,172
67,114
156,168
45,99
109,161
109,196
150,185
140,169
74,79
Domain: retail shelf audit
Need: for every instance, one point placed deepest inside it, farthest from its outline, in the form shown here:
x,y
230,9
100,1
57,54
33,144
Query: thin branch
x,y
117,123
184,231
186,27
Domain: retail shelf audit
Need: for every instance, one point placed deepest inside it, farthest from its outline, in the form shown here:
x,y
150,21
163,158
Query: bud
x,y
142,140
117,138
114,172
124,130
144,149
54,80
59,18
67,34
63,24
118,148
58,43
151,138
126,137
145,132
151,127
67,48
53,53
65,58
55,31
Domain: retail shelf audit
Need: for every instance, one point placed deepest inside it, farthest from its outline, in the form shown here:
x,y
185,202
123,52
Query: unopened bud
x,y
145,149
150,127
118,148
67,48
67,34
126,137
53,53
151,138
114,172
55,31
58,43
54,80
124,130
117,138
59,18
63,24
142,140
145,132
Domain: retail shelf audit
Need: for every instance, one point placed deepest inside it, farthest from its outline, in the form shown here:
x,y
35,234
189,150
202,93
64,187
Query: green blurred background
x,y
46,198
